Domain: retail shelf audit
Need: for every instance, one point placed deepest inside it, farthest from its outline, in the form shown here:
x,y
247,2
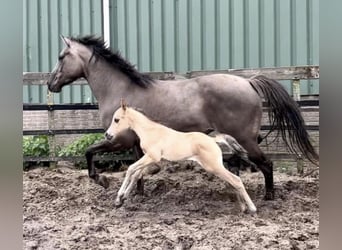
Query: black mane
x,y
115,59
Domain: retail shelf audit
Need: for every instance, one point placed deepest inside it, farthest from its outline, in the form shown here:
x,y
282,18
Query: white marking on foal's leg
x,y
135,177
241,202
145,160
126,182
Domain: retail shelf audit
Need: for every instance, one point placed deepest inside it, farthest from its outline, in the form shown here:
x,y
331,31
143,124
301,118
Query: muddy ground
x,y
182,208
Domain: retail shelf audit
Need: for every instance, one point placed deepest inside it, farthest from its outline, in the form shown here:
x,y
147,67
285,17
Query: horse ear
x,y
66,41
123,104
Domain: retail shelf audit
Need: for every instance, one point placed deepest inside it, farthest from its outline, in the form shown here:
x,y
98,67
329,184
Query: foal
x,y
160,142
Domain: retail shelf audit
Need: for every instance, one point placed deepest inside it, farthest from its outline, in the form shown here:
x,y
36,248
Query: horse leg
x,y
103,146
235,181
152,169
237,184
138,153
138,175
143,162
265,165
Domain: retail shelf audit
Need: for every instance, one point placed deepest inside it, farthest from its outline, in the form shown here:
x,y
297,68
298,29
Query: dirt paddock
x,y
182,208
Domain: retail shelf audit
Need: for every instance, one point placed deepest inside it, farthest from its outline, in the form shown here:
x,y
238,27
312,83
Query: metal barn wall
x,y
176,35
185,35
44,21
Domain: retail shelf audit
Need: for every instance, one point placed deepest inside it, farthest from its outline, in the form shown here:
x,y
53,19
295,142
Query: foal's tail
x,y
234,147
285,116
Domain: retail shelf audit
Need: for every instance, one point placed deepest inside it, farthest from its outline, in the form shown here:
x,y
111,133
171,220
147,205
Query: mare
x,y
225,103
160,142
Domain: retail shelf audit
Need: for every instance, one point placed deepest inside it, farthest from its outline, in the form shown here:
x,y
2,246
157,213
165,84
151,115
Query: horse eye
x,y
61,57
116,120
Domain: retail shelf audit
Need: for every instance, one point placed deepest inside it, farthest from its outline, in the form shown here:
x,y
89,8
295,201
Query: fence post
x,y
300,165
51,136
296,89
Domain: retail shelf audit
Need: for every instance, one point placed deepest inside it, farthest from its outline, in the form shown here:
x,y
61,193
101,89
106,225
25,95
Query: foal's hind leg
x,y
237,184
216,167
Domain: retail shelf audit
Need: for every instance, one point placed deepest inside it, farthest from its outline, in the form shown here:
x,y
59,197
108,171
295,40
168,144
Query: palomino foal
x,y
160,142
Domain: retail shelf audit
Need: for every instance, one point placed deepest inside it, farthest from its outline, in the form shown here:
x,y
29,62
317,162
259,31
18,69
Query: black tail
x,y
285,116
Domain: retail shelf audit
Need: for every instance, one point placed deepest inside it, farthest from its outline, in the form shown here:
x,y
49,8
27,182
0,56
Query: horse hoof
x,y
103,181
269,196
252,211
118,203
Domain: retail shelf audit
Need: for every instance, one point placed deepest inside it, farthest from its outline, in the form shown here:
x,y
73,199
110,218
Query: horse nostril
x,y
108,136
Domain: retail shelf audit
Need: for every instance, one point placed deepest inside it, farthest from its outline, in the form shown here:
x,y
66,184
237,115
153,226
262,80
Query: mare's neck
x,y
106,83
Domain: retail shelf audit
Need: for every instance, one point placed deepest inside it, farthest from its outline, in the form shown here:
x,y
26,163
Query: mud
x,y
182,208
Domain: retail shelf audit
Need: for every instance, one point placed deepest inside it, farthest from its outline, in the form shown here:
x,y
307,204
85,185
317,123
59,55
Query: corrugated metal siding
x,y
44,21
185,35
176,35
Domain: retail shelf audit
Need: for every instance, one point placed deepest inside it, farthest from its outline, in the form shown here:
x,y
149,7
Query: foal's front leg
x,y
138,165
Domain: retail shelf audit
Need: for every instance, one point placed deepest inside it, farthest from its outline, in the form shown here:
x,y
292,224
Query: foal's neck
x,y
141,124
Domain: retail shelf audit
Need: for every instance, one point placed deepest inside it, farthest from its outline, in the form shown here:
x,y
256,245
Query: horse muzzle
x,y
108,136
52,83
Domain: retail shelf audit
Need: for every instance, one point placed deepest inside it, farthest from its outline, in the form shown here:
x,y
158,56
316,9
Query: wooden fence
x,y
295,74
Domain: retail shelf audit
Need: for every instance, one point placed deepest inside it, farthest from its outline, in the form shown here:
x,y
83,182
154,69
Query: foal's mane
x,y
144,113
115,59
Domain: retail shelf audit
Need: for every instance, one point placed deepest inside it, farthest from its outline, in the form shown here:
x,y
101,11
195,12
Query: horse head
x,y
119,123
70,65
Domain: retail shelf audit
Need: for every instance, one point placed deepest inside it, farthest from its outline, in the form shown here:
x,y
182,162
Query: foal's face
x,y
119,124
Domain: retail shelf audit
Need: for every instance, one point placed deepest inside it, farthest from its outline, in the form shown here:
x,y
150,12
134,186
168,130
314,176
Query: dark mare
x,y
184,105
